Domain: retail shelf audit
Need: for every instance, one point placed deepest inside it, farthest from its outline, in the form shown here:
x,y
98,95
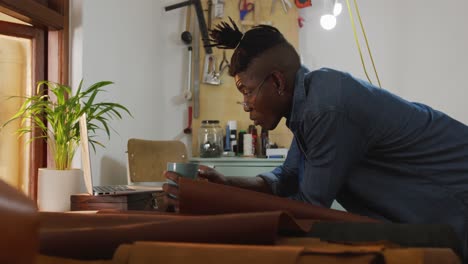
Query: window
x,y
38,30
15,76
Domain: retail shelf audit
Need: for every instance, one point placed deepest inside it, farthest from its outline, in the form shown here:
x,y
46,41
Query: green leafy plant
x,y
58,118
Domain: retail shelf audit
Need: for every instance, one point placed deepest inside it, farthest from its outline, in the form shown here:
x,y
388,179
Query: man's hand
x,y
171,199
211,175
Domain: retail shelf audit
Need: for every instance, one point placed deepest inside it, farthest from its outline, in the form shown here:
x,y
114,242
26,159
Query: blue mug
x,y
186,170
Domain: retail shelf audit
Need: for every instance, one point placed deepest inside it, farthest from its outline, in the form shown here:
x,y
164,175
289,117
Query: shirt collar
x,y
299,97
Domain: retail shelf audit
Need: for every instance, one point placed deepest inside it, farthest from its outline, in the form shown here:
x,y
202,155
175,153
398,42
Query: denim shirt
x,y
375,153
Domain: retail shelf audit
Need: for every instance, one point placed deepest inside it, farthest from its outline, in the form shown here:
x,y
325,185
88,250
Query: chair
x,y
147,159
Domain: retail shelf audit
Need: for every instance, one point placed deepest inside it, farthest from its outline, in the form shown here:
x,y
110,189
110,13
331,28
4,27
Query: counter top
x,y
240,161
239,166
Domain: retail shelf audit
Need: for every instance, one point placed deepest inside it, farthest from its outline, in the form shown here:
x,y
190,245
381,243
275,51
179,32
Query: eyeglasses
x,y
248,93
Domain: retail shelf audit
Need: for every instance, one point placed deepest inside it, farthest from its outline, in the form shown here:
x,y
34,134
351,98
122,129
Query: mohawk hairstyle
x,y
246,46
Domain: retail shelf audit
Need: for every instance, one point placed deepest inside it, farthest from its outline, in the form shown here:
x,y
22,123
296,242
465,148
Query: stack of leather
x,y
216,224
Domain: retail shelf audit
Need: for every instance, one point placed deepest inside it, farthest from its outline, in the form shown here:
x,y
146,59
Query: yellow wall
x,y
219,102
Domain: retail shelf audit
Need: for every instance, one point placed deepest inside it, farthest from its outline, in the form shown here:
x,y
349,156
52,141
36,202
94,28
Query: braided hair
x,y
247,46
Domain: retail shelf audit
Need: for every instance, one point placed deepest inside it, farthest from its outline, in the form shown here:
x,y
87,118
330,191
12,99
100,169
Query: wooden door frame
x,y
38,148
53,17
36,13
50,53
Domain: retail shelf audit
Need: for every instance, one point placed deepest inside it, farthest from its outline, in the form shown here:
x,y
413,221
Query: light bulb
x,y
337,9
328,21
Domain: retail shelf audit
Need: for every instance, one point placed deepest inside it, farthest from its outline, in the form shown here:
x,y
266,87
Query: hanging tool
x,y
210,8
221,68
286,4
224,64
196,72
188,129
218,9
206,42
187,39
201,21
245,8
211,76
300,21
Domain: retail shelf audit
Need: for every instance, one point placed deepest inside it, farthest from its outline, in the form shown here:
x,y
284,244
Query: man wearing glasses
x,y
377,154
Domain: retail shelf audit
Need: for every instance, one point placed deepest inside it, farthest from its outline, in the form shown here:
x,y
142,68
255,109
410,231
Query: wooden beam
x,y
64,50
59,6
39,148
17,30
33,12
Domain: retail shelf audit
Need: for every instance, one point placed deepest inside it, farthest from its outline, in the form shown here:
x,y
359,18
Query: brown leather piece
x,y
51,220
42,259
182,253
306,251
421,255
208,231
106,218
316,251
19,225
297,251
87,236
440,255
202,197
341,259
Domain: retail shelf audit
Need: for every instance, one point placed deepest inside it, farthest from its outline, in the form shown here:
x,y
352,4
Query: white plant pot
x,y
55,187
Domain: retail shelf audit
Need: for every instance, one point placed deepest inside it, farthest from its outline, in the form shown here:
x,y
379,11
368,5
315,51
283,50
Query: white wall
x,y
418,46
137,45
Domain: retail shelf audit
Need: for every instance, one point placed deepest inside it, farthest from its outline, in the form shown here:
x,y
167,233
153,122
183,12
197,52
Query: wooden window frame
x,y
50,54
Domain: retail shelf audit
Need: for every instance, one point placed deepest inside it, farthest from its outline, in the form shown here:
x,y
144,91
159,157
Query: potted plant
x,y
57,118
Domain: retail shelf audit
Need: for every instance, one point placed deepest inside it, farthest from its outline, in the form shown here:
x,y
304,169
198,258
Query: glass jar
x,y
210,139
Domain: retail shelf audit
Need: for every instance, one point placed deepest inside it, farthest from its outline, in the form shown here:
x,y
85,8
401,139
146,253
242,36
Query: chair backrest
x,y
147,159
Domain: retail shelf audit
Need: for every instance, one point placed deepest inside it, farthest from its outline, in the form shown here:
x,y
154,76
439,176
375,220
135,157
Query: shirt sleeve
x,y
331,144
283,180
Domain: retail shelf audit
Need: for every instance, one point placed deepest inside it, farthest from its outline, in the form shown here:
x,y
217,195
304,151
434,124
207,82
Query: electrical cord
x,y
358,44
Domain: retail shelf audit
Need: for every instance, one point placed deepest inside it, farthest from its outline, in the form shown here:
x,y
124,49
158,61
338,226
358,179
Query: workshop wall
x,y
419,48
219,102
137,45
